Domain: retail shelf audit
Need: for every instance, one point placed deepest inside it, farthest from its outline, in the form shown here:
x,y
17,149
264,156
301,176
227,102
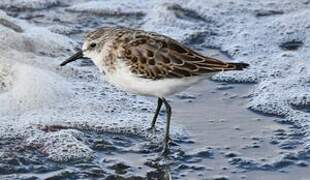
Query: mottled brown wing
x,y
161,57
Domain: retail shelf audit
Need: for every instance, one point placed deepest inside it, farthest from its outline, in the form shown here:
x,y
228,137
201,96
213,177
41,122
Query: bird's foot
x,y
166,149
152,131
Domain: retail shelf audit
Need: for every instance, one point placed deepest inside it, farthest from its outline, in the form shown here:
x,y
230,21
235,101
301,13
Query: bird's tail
x,y
238,66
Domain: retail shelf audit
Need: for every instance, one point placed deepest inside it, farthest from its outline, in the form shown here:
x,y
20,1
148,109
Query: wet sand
x,y
219,119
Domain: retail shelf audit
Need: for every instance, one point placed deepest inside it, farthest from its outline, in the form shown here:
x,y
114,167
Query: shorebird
x,y
149,64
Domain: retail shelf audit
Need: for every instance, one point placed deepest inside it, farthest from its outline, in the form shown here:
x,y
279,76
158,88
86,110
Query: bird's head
x,y
92,45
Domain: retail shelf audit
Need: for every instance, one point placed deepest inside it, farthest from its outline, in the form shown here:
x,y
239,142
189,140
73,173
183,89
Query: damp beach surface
x,y
68,123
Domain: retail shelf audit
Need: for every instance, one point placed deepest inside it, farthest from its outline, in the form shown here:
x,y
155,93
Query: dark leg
x,y
167,138
159,104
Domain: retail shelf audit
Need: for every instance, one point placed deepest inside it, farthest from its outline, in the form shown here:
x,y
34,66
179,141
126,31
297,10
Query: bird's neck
x,y
105,61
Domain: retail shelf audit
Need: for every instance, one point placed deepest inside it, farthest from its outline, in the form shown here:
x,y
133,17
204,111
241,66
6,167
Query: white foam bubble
x,y
33,88
28,4
110,8
61,145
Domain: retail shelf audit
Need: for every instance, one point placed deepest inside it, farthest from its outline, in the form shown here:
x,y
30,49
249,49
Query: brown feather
x,y
154,56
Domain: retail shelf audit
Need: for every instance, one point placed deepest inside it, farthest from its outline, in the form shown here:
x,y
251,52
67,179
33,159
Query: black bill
x,y
75,57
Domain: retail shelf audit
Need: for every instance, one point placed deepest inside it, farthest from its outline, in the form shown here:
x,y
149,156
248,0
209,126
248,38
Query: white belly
x,y
125,80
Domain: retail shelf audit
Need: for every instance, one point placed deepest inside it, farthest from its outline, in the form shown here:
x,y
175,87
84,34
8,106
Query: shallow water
x,y
227,141
245,145
90,130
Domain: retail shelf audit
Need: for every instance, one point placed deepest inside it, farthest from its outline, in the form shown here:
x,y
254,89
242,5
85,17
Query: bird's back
x,y
155,56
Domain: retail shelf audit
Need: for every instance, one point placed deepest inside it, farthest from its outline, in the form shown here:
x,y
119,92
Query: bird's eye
x,y
92,45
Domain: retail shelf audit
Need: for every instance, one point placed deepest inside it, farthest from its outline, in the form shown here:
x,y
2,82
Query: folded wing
x,y
155,56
